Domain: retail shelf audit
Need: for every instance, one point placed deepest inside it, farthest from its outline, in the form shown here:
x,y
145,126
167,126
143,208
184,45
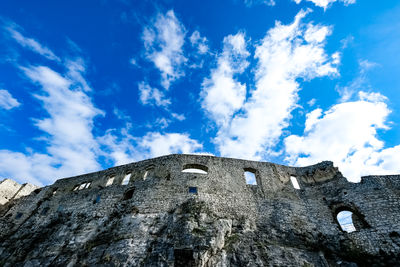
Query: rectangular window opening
x,y
110,181
82,186
250,178
295,183
192,190
126,179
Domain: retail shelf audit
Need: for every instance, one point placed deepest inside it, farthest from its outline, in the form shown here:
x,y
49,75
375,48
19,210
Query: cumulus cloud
x,y
286,53
157,144
152,96
346,134
163,41
71,148
221,94
123,148
326,3
30,43
7,101
70,145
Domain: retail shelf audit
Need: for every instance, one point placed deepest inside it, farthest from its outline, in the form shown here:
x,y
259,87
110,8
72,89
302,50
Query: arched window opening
x,y
126,179
295,183
195,168
345,220
250,176
110,181
148,173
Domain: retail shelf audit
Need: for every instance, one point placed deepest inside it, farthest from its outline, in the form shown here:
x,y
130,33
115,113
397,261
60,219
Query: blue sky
x,y
85,86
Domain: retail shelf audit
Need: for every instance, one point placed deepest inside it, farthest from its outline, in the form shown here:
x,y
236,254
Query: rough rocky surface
x,y
10,190
166,217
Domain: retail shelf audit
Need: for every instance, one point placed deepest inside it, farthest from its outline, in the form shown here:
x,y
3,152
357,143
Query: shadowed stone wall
x,y
166,217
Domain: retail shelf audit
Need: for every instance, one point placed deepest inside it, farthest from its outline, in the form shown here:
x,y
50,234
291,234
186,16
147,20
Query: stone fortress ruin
x,y
192,210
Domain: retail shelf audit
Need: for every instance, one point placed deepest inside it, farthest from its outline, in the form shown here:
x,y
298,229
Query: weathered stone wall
x,y
166,217
10,190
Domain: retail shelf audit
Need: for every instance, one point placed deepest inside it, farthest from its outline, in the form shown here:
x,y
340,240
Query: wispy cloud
x,y
152,96
199,42
347,134
360,82
254,2
163,40
30,43
327,3
7,101
286,53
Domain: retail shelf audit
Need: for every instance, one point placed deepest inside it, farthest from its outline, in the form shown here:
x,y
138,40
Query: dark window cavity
x,y
97,200
183,258
129,193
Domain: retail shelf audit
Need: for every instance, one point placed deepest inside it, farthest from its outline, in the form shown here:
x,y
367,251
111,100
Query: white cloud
x,y
118,146
286,53
199,42
163,41
179,117
221,94
133,61
30,43
360,82
156,144
152,96
311,102
254,2
162,122
7,101
121,147
70,146
347,135
326,3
